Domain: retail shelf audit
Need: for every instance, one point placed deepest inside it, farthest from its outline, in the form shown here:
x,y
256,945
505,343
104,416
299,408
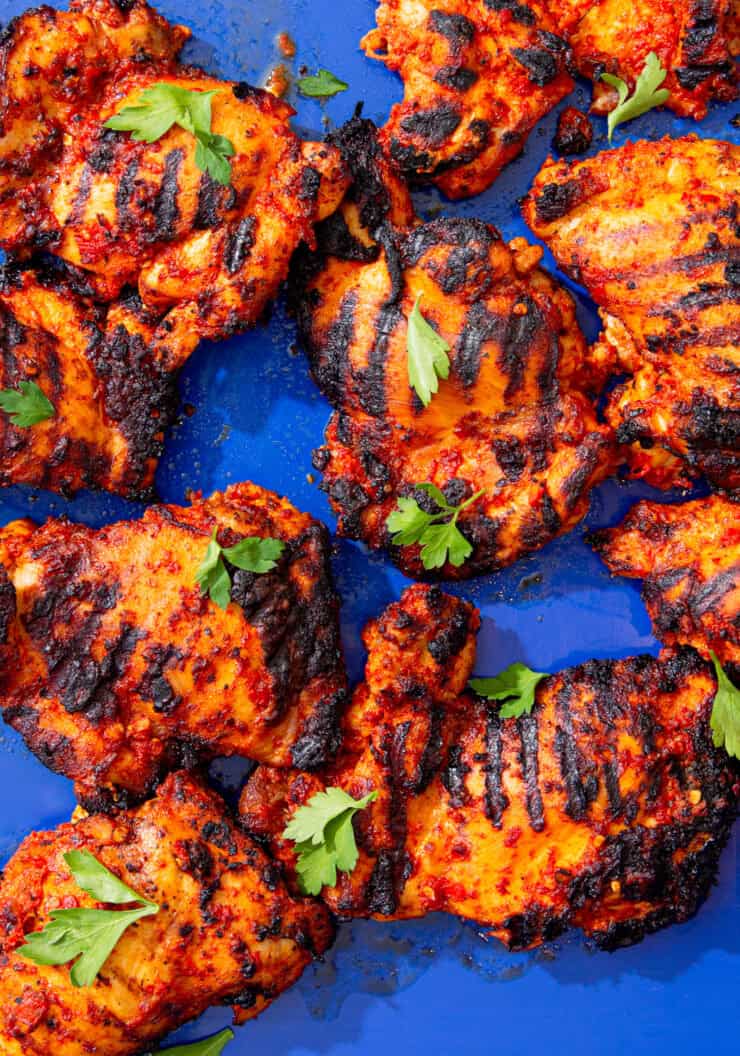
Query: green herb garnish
x,y
428,358
321,86
87,936
516,685
253,555
324,838
647,93
212,1046
27,405
163,105
437,533
725,719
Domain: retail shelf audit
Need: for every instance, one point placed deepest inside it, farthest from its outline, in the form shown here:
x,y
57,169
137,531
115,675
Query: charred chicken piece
x,y
689,557
692,39
144,214
514,417
606,808
118,668
651,230
109,372
227,930
478,75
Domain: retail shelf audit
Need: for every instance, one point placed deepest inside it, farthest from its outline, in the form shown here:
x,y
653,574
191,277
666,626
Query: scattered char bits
x,y
262,678
574,133
522,803
513,419
225,917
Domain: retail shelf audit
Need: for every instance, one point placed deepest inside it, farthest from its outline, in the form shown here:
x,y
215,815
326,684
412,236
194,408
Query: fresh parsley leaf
x,y
212,1046
87,936
437,533
428,358
27,405
647,93
163,105
252,555
516,685
324,838
725,719
321,86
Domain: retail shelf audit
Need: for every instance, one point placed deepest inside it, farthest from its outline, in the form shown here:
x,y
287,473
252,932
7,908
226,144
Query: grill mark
x,y
480,326
458,78
569,756
496,800
710,594
77,212
521,331
457,29
519,12
611,781
330,356
387,880
239,244
166,210
370,382
540,64
527,728
690,261
124,193
433,126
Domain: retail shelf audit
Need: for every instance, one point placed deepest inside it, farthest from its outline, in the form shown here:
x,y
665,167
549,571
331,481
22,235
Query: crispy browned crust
x,y
478,75
143,214
694,40
651,230
110,372
689,557
228,931
119,669
606,808
514,418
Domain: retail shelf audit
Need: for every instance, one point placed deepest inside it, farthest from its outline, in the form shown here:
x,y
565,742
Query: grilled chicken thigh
x,y
109,372
227,930
606,808
513,419
689,557
116,667
144,214
651,230
478,75
692,38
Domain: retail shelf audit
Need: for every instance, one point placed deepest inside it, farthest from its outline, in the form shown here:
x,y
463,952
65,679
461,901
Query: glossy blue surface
x,y
430,987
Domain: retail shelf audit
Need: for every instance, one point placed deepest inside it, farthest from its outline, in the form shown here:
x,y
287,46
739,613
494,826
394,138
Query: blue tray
x,y
428,986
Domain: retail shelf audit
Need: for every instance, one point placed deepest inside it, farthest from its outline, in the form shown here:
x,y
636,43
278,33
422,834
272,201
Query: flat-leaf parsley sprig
x,y
437,533
427,356
163,105
725,719
87,936
515,685
324,838
647,93
212,1046
254,554
322,85
27,405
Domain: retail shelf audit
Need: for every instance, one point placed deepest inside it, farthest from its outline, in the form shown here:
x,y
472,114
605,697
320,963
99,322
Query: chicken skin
x,y
109,372
606,808
117,668
689,557
143,214
513,419
227,931
692,39
651,230
478,75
